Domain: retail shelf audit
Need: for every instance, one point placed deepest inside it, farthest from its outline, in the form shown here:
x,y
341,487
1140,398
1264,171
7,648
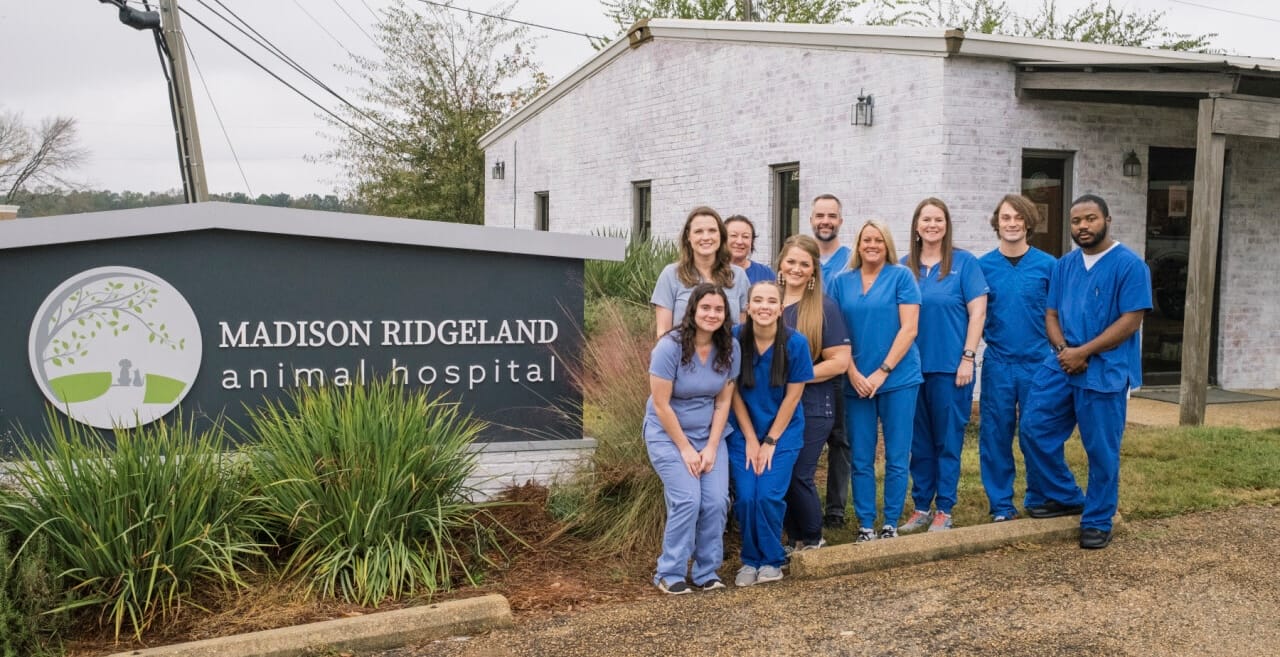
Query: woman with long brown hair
x,y
704,258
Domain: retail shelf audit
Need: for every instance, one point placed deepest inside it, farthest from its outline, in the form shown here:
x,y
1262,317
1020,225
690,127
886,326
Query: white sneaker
x,y
888,531
746,576
768,574
865,534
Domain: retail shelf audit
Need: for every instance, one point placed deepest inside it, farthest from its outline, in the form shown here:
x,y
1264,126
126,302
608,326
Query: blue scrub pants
x,y
1005,388
759,502
803,520
895,411
697,508
942,412
838,462
1053,409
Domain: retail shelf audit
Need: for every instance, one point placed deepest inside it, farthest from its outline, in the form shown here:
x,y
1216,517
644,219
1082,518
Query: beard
x,y
1095,239
826,234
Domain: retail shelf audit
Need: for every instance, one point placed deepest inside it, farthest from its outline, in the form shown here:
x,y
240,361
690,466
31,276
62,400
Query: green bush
x,y
366,489
631,280
29,588
140,524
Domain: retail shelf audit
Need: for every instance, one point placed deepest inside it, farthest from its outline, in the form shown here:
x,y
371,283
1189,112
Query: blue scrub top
x,y
757,272
837,264
1016,299
670,293
819,398
693,391
1088,301
873,323
944,313
764,400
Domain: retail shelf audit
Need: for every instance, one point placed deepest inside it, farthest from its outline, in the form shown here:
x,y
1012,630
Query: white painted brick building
x,y
713,113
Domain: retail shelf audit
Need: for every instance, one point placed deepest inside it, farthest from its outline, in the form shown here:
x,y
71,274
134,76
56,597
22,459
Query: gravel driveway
x,y
1203,584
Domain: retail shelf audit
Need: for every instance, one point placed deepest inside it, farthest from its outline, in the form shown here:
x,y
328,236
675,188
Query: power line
x,y
281,80
509,20
353,20
1226,11
217,114
322,27
371,11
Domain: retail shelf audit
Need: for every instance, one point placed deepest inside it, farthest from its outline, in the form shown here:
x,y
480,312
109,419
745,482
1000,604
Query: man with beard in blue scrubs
x,y
1018,277
825,219
1098,295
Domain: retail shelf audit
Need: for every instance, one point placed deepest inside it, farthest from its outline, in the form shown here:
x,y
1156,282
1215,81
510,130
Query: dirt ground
x,y
1256,415
1201,584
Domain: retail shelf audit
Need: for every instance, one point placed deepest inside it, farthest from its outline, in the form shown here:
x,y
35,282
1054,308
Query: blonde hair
x,y
891,253
809,317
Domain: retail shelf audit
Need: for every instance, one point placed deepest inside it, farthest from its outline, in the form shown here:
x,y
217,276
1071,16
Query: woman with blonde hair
x,y
704,258
880,303
809,312
953,309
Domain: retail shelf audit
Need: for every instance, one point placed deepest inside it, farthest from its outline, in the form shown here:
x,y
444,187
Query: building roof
x,y
115,224
936,42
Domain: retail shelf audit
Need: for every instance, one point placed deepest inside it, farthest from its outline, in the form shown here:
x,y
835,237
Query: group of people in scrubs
x,y
757,369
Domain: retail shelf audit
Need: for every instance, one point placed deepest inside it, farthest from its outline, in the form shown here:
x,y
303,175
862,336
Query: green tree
x,y
1097,22
443,79
35,155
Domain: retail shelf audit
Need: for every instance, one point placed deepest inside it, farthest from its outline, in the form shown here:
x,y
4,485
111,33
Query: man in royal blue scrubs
x,y
825,219
1018,277
1098,295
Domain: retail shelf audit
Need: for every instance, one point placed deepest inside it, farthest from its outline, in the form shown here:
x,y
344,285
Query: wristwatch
x,y
1059,348
769,440
969,353
884,367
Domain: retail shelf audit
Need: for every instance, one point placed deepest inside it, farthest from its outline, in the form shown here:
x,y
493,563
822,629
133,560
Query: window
x,y
1046,180
542,211
786,201
641,210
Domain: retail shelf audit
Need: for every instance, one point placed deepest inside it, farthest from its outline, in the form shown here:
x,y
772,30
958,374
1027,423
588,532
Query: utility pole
x,y
184,113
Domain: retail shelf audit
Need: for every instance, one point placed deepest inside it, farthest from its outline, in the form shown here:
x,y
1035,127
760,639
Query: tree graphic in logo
x,y
115,346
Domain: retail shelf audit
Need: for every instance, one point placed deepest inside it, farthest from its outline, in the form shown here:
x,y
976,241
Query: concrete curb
x,y
920,548
379,631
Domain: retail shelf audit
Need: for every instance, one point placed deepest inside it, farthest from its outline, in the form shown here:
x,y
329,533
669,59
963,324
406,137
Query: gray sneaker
x,y
865,534
768,574
746,576
918,520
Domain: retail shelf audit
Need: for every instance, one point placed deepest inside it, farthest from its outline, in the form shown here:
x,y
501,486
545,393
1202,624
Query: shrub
x,y
617,502
631,280
29,587
139,525
366,488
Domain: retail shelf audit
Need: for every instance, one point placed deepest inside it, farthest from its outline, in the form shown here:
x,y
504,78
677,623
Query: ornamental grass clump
x,y
630,280
365,487
140,522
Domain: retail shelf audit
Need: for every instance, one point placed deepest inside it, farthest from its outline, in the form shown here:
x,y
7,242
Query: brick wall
x,y
501,465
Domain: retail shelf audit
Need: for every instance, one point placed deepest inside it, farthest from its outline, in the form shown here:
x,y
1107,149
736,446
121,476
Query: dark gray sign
x,y
277,310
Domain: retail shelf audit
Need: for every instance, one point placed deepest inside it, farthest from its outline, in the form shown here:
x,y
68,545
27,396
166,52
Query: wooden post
x,y
1206,216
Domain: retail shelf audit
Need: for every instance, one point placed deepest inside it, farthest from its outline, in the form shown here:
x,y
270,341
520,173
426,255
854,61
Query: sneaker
x,y
941,522
865,534
789,549
888,531
918,520
768,574
802,546
746,576
1004,518
677,588
711,585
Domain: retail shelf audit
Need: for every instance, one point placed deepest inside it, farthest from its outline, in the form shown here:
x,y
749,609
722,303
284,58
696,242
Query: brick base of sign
x,y
504,464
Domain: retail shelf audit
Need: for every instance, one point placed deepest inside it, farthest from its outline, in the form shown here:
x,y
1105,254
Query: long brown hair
x,y
747,342
721,339
917,243
809,316
721,271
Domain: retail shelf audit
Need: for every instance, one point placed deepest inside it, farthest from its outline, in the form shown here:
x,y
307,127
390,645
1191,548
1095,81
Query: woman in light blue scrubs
x,y
769,433
691,377
881,306
953,309
704,258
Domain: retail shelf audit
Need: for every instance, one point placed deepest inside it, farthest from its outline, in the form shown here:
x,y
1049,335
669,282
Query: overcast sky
x,y
73,58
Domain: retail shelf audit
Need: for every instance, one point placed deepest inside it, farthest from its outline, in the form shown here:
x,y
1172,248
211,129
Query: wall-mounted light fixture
x,y
499,170
1132,165
863,111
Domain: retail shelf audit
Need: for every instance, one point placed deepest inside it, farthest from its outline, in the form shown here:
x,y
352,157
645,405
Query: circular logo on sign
x,y
115,347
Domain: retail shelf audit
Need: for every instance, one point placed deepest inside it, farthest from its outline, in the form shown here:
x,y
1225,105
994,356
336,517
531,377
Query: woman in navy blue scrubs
x,y
880,303
953,309
769,432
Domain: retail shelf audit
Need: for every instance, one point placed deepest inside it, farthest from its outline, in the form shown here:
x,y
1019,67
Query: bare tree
x,y
36,155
